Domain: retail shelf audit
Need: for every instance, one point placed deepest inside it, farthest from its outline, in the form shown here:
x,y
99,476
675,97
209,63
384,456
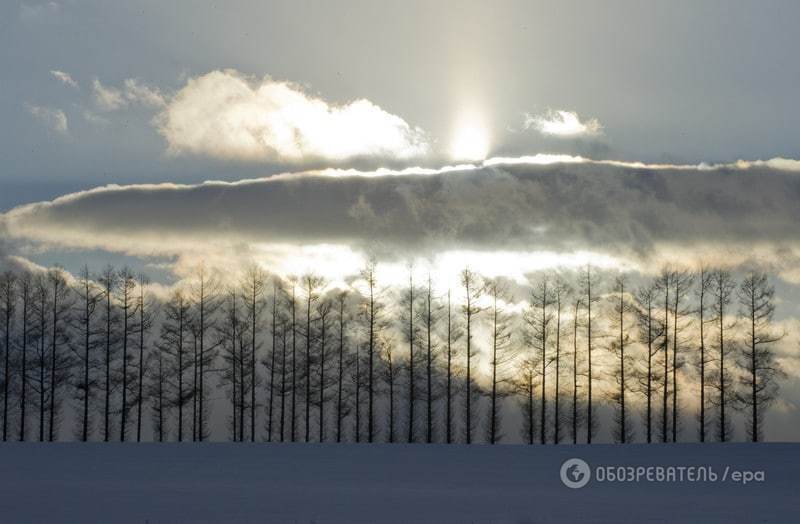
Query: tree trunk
x,y
702,358
649,387
322,380
589,421
124,411
293,419
371,391
493,418
308,366
86,342
253,369
24,387
340,374
543,400
107,392
272,366
449,394
665,393
411,380
557,414
429,406
141,366
675,315
575,374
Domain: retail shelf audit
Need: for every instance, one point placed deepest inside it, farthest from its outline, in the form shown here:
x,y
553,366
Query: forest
x,y
679,356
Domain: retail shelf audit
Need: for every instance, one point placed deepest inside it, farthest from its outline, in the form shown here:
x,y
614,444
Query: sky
x,y
508,136
677,82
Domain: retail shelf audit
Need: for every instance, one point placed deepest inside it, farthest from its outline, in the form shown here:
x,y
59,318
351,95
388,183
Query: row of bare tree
x,y
299,360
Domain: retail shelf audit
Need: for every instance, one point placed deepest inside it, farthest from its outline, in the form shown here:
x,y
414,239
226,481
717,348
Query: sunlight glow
x,y
471,142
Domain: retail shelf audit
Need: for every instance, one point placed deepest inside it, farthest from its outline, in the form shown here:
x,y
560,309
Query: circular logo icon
x,y
575,473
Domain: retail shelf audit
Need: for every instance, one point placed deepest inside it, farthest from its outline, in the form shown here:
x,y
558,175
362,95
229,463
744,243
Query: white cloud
x,y
30,11
64,78
107,98
562,123
133,92
95,119
226,114
547,209
137,92
54,119
784,164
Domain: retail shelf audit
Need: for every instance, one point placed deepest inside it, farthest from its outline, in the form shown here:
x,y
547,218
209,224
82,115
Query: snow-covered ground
x,y
301,483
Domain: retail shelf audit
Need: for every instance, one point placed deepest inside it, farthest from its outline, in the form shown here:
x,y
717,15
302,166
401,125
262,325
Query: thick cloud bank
x,y
226,114
641,213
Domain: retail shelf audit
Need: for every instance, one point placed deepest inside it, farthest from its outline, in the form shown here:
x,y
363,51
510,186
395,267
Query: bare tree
x,y
109,282
539,318
429,316
60,362
575,415
7,308
473,289
561,292
157,392
703,291
254,289
757,356
722,287
90,297
175,330
649,333
526,385
284,384
664,284
620,309
230,332
147,316
341,302
26,295
324,309
293,310
195,365
206,300
128,310
371,312
452,338
39,382
311,285
682,282
502,356
272,361
357,379
411,334
590,297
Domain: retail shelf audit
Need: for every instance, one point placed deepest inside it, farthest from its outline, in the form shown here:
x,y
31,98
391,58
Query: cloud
x,y
107,98
132,92
785,164
636,214
137,92
562,123
226,114
64,78
54,119
29,11
94,118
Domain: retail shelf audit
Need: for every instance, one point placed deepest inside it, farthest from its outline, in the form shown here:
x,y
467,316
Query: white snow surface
x,y
359,483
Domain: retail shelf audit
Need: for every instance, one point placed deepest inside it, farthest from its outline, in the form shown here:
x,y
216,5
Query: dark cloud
x,y
568,206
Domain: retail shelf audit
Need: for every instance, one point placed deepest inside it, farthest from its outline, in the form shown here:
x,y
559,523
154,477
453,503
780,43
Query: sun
x,y
470,142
